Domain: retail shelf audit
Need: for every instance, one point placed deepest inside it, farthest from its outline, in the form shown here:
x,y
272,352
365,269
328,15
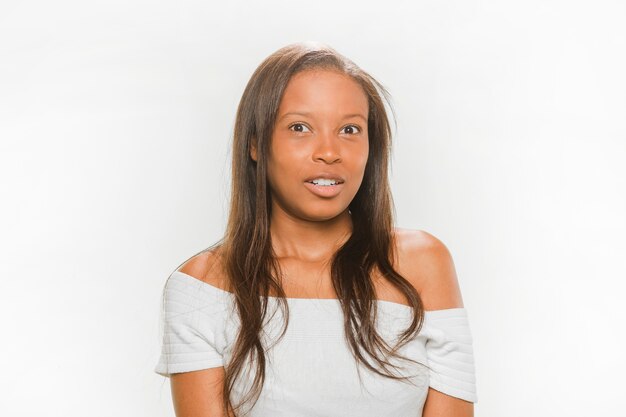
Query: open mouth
x,y
325,182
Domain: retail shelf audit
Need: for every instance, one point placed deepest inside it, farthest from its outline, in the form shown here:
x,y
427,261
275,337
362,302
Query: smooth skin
x,y
322,127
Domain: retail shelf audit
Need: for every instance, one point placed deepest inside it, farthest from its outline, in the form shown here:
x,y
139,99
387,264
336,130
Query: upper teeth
x,y
322,181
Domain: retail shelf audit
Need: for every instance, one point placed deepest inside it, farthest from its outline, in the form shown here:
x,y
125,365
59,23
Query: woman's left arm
x,y
429,261
439,404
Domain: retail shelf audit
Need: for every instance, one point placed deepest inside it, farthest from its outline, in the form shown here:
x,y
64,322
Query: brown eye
x,y
298,127
352,129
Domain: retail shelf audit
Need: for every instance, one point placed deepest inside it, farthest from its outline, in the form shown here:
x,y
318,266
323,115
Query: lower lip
x,y
324,190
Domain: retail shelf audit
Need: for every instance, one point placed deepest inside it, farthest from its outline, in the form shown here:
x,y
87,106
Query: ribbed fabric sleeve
x,y
450,353
199,328
190,323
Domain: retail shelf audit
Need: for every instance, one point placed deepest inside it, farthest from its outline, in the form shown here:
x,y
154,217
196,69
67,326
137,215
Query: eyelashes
x,y
358,129
302,126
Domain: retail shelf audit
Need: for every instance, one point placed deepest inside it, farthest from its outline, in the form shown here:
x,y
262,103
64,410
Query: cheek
x,y
282,168
287,157
282,161
363,157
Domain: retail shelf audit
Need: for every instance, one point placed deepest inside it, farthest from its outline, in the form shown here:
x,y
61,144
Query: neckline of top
x,y
223,292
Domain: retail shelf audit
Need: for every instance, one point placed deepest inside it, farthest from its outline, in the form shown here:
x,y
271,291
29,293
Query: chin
x,y
313,211
321,214
320,218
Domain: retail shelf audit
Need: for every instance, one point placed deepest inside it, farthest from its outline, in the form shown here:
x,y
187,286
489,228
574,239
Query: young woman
x,y
313,304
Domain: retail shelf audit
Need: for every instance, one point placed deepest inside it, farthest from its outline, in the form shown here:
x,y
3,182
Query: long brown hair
x,y
246,249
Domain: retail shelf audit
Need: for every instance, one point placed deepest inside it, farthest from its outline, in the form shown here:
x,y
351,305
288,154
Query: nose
x,y
327,149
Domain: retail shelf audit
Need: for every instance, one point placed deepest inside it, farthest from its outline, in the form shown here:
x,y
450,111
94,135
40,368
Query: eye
x,y
298,127
352,129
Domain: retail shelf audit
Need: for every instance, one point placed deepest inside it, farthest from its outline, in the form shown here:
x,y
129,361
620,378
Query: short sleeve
x,y
450,353
190,323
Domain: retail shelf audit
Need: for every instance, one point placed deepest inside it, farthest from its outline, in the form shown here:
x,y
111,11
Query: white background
x,y
115,122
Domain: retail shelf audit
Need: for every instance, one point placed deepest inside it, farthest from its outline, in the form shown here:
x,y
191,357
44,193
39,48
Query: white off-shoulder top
x,y
310,371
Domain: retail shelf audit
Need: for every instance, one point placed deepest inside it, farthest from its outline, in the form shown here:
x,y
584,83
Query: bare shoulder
x,y
206,266
426,262
196,393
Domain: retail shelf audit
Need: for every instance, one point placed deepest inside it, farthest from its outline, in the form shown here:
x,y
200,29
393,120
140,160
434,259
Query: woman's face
x,y
319,147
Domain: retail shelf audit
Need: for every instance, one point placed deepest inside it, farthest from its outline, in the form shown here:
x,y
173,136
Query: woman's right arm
x,y
198,393
195,393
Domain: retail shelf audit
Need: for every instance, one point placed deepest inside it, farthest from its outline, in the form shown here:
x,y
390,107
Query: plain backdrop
x,y
115,124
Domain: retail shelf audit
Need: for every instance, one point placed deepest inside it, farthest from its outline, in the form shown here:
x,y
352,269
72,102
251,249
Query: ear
x,y
253,153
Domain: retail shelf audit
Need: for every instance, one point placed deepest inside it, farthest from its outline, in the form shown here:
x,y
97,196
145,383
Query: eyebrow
x,y
302,113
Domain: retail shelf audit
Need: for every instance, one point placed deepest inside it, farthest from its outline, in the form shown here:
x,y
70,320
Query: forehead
x,y
323,90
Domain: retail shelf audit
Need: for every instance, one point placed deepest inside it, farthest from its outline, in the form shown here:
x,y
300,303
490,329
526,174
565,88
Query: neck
x,y
309,241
